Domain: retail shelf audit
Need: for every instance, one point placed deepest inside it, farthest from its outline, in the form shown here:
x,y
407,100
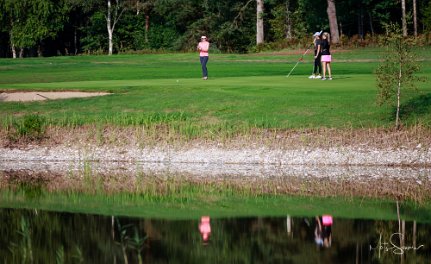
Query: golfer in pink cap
x,y
203,48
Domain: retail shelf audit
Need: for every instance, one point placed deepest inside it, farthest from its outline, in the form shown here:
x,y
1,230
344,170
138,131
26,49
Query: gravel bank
x,y
216,161
419,156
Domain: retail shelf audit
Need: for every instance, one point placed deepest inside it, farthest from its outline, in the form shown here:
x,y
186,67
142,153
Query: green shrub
x,y
30,127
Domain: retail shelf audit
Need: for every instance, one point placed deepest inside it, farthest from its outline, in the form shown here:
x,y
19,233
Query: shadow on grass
x,y
417,106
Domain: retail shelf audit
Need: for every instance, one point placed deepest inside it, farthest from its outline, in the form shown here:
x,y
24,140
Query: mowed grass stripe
x,y
286,102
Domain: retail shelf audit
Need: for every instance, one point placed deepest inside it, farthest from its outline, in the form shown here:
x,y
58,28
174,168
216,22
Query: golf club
x,y
300,59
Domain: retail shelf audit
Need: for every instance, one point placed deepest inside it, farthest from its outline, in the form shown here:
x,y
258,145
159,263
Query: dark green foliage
x,y
95,38
29,22
427,17
48,27
416,107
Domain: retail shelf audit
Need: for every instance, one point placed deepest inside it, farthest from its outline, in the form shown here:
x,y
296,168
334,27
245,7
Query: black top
x,y
316,44
325,47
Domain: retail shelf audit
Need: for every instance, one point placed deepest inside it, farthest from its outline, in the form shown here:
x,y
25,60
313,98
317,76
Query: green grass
x,y
221,205
243,90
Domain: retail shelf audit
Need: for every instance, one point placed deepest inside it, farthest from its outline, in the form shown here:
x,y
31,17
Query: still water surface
x,y
36,236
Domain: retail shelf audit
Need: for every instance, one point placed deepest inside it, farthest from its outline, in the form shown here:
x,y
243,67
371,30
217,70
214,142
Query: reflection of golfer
x,y
205,228
317,69
203,48
323,231
326,55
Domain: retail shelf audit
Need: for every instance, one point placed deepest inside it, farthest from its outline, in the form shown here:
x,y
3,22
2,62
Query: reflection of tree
x,y
79,238
24,246
130,241
59,255
44,234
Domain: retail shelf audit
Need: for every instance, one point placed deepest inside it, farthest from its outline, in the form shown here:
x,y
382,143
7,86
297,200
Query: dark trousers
x,y
204,61
317,65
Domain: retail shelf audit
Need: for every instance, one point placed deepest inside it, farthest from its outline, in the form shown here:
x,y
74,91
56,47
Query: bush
x,y
30,127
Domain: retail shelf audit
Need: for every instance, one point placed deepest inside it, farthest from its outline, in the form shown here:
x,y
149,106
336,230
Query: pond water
x,y
37,236
207,213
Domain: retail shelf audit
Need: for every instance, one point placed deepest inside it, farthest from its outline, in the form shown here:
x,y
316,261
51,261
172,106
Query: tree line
x,y
71,27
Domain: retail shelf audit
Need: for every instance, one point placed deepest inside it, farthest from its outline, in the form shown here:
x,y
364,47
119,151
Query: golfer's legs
x,y
324,69
204,61
317,66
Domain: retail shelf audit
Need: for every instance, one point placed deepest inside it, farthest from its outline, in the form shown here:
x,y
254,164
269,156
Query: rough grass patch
x,y
30,127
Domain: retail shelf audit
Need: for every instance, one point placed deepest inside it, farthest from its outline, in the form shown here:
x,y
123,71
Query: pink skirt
x,y
326,58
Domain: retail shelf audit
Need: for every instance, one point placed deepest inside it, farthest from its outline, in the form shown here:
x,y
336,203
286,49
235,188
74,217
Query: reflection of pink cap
x,y
326,220
205,227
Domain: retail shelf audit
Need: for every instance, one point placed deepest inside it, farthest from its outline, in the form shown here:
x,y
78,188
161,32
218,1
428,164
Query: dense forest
x,y
70,27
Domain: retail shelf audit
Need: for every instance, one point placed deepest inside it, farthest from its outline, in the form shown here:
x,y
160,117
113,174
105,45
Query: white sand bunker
x,y
40,96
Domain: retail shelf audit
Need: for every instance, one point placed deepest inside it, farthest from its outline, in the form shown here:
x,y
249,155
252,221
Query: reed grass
x,y
174,188
416,137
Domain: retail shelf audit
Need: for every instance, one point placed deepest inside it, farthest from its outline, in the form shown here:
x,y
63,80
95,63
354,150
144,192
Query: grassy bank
x,y
224,204
244,92
180,196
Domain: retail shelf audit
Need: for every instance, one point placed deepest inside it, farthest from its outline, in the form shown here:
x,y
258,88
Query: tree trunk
x,y
371,23
111,21
109,27
147,27
414,234
75,40
397,118
12,41
13,51
113,233
403,17
361,23
288,21
259,22
21,53
415,19
333,24
39,51
403,239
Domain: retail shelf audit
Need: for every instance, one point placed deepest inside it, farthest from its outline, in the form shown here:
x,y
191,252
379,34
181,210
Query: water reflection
x,y
323,231
205,229
32,236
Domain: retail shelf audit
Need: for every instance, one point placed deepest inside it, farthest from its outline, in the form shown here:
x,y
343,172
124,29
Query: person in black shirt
x,y
323,231
317,70
326,55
